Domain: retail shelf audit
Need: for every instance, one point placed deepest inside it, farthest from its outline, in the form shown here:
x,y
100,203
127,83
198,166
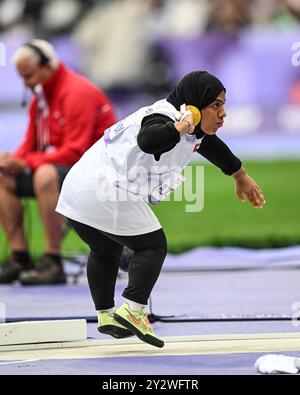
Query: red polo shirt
x,y
78,114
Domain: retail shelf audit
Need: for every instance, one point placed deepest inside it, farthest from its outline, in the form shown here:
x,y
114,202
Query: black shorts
x,y
24,187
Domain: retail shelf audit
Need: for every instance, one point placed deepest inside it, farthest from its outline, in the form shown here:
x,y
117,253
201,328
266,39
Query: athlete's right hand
x,y
196,114
186,123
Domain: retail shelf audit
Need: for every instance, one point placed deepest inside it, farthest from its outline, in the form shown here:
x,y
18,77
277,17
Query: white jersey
x,y
111,185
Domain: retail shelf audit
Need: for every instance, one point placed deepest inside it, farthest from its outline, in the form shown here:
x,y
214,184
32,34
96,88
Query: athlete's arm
x,y
158,134
217,152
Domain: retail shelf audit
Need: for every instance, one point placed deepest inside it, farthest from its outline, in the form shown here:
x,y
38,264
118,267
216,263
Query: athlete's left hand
x,y
247,188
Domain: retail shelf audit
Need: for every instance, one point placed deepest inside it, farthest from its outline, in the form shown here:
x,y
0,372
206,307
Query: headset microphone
x,y
25,95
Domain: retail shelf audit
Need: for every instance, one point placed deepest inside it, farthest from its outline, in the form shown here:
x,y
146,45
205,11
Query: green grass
x,y
224,221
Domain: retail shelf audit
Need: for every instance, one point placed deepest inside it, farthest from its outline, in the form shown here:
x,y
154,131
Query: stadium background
x,y
136,51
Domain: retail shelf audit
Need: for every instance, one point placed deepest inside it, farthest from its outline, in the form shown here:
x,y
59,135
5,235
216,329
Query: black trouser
x,y
145,265
24,186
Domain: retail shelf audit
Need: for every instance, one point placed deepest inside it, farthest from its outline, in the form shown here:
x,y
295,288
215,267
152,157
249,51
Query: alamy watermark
x,y
2,55
296,54
153,185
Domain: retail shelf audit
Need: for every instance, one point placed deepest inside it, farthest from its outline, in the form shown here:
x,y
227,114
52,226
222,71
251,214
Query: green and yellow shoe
x,y
138,323
109,326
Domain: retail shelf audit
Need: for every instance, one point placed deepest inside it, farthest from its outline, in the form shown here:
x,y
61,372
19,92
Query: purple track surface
x,y
217,294
237,364
228,294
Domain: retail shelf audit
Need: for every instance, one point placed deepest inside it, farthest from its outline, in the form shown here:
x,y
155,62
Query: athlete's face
x,y
213,115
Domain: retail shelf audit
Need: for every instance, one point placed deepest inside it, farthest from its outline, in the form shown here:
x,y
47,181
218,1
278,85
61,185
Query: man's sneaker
x,y
109,326
47,272
138,323
10,270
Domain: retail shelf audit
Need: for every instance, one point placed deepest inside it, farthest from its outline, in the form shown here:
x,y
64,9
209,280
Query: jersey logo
x,y
197,146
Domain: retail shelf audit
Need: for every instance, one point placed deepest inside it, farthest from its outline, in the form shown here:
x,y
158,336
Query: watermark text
x,y
296,54
2,55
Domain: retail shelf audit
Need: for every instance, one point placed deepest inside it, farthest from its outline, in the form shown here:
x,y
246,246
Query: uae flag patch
x,y
196,147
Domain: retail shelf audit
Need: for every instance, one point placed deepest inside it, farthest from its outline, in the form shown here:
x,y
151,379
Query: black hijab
x,y
198,88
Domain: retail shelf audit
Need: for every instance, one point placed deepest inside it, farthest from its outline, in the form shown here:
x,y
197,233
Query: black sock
x,y
56,258
21,257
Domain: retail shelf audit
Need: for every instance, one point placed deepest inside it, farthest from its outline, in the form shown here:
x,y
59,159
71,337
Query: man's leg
x,y
11,218
47,189
11,213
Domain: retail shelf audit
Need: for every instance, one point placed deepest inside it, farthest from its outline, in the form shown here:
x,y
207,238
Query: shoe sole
x,y
114,331
153,341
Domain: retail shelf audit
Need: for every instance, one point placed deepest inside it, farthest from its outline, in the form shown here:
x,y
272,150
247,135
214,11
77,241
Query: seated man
x,y
66,116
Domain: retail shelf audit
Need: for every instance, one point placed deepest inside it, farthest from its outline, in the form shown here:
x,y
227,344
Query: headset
x,y
43,59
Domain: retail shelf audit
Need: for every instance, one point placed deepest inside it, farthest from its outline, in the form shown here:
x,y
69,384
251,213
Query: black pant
x,y
24,187
150,250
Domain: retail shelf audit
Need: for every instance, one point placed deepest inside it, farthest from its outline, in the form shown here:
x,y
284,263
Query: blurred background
x,y
136,51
